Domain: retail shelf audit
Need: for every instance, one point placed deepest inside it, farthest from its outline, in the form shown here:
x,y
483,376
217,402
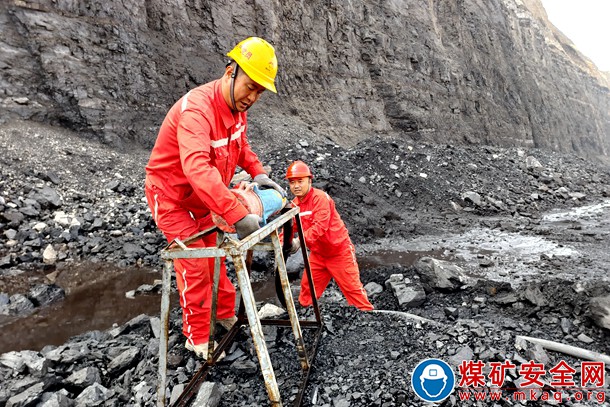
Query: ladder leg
x,y
216,283
163,336
312,288
292,312
256,329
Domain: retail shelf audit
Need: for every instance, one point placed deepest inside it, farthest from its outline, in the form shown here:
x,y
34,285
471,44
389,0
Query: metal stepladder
x,y
241,253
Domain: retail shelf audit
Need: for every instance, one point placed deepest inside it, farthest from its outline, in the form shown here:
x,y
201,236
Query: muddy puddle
x,y
590,216
401,258
505,256
95,300
486,253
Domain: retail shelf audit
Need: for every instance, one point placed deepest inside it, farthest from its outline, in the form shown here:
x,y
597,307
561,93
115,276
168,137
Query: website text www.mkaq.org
x,y
562,385
531,394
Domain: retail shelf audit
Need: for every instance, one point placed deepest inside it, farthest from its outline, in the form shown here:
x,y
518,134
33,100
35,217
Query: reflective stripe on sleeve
x,y
184,102
224,141
156,214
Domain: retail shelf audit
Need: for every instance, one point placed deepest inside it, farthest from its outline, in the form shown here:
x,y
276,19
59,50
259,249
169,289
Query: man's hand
x,y
263,180
295,245
247,225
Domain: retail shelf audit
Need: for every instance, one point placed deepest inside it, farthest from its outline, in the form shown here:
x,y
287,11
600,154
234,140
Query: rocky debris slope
x,y
65,199
494,72
397,183
384,190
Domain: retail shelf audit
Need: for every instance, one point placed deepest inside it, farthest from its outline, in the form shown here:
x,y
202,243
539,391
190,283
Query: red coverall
x,y
332,254
200,143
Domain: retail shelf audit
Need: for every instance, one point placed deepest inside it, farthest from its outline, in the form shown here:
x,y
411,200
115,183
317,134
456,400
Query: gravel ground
x,y
529,265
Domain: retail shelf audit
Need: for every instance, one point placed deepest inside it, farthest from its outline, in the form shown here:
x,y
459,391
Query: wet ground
x,y
95,300
96,295
559,237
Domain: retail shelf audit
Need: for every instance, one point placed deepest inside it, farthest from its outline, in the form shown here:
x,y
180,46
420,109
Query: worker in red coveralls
x,y
332,254
200,143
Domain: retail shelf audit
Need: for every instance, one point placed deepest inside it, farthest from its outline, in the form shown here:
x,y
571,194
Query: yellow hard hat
x,y
257,58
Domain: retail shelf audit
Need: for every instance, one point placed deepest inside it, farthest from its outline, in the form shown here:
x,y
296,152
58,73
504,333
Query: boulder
x,y
600,310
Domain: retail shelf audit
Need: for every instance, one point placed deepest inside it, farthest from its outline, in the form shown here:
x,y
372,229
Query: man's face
x,y
300,186
246,91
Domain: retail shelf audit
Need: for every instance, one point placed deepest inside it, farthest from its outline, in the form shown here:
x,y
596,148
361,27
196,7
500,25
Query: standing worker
x,y
332,254
200,143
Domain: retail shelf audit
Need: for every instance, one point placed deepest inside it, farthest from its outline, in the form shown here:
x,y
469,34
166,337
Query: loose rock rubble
x,y
65,201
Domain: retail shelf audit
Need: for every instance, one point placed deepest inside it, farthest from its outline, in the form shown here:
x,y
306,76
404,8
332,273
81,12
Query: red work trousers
x,y
344,269
194,277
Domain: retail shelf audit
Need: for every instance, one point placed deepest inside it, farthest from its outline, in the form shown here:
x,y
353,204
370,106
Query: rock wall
x,y
468,71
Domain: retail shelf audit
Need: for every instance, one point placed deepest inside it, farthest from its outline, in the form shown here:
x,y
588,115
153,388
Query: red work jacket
x,y
324,231
200,143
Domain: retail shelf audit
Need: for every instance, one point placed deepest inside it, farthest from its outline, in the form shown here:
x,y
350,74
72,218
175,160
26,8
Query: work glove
x,y
263,180
295,245
247,225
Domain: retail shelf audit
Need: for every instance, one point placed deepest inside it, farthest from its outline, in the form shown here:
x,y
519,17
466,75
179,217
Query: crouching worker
x,y
332,254
201,142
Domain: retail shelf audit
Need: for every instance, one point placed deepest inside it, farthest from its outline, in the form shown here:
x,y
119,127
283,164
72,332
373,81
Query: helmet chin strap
x,y
232,87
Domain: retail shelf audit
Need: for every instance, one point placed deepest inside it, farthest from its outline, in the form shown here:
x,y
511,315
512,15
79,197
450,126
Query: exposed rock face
x,y
474,71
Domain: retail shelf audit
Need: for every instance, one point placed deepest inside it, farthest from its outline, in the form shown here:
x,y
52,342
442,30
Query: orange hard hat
x,y
298,169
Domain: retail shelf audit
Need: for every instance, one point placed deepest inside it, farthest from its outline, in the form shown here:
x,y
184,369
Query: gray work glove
x,y
263,180
295,245
247,225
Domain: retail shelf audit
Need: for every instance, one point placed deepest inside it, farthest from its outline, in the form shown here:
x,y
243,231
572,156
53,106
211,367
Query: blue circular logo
x,y
432,380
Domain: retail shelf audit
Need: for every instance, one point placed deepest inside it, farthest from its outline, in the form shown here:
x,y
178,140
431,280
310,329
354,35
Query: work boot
x,y
227,323
201,350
